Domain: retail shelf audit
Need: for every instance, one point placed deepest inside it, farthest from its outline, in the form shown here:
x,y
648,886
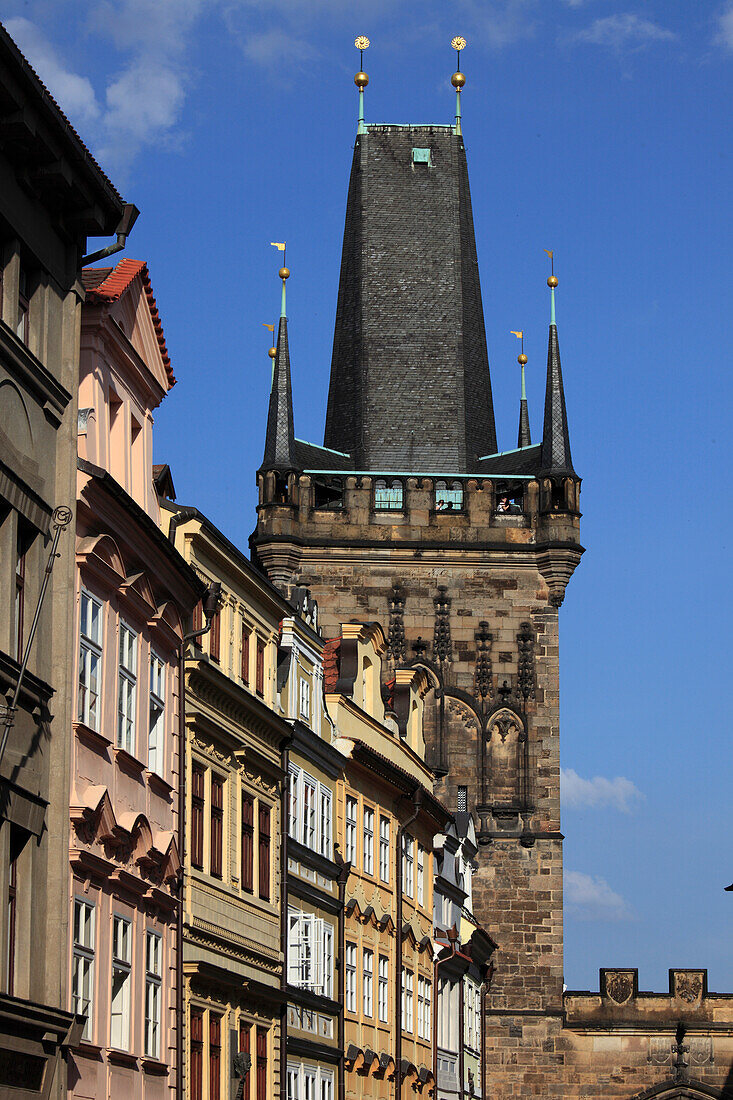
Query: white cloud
x,y
576,792
498,23
74,93
624,31
588,897
276,46
725,27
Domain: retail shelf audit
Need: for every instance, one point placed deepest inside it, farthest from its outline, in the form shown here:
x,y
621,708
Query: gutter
x,y
453,937
130,214
342,879
417,795
284,798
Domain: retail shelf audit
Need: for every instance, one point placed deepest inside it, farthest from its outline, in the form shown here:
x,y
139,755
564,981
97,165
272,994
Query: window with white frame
x,y
368,839
309,1082
384,831
127,689
420,874
310,811
310,952
408,865
325,800
367,983
408,1022
383,989
82,976
119,1028
153,993
305,699
351,811
350,977
156,726
90,661
424,1008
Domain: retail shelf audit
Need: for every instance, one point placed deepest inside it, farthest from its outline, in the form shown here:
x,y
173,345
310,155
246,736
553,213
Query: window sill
x,y
122,1058
89,1050
158,784
129,762
91,737
154,1067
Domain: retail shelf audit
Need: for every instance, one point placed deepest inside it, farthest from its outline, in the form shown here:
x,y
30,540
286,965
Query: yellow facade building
x,y
387,817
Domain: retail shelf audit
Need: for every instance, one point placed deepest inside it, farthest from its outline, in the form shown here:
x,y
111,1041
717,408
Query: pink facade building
x,y
134,593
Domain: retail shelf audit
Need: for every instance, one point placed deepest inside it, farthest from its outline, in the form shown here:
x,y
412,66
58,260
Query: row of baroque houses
x,y
260,817
224,870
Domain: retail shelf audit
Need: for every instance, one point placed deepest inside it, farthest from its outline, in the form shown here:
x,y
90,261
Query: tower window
x,y
462,800
422,156
448,496
387,496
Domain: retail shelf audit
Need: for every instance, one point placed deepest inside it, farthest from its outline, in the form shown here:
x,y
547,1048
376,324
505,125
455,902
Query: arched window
x,y
448,497
387,496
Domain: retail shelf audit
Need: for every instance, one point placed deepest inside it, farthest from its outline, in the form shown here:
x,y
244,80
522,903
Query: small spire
x,y
556,459
458,80
280,434
361,79
524,438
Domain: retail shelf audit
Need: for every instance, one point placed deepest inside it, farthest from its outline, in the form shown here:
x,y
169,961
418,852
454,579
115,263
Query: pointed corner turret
x,y
524,436
280,436
555,459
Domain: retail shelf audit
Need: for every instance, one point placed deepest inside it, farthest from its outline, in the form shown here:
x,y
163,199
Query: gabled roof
x,y
108,284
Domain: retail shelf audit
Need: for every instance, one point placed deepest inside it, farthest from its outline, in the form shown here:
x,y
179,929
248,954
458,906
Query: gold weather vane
x,y
521,358
272,352
361,79
458,80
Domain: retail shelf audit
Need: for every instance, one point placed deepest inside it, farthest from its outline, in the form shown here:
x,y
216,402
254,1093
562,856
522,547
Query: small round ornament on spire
x,y
522,360
361,79
284,273
272,352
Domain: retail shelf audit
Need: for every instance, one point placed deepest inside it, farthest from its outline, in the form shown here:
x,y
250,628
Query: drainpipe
x,y
130,215
452,937
461,1028
343,876
416,802
482,1077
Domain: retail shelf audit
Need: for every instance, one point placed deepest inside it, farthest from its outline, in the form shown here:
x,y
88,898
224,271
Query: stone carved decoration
x,y
525,663
483,662
442,643
679,1050
396,643
701,1050
660,1052
463,714
504,723
688,986
241,1064
420,648
619,986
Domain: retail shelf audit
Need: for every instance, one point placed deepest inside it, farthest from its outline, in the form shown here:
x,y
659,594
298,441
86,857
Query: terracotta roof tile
x,y
113,284
331,663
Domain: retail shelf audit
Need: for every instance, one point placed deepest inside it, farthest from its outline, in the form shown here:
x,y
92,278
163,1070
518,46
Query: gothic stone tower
x,y
408,515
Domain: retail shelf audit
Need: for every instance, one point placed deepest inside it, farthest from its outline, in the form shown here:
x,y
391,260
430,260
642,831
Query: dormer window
x,y
387,495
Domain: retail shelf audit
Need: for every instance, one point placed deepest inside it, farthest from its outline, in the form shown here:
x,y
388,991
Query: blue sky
x,y
597,128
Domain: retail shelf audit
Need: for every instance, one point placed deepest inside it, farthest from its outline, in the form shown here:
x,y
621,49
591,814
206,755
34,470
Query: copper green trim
x,y
552,305
524,390
402,473
362,128
458,112
282,301
329,449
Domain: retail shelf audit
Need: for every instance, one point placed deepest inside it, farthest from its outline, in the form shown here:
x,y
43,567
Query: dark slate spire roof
x,y
555,454
280,437
410,386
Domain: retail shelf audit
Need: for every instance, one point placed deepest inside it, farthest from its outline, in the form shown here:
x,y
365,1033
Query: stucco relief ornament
x,y
619,987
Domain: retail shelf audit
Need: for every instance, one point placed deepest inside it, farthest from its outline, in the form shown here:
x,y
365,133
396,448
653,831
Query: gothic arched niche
x,y
504,738
679,1090
14,417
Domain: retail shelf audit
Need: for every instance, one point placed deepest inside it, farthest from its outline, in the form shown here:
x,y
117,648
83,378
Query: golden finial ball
x,y
284,273
272,352
552,281
522,360
458,80
361,79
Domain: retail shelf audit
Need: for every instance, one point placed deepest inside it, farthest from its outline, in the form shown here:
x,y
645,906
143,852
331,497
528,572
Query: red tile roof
x,y
108,284
331,664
